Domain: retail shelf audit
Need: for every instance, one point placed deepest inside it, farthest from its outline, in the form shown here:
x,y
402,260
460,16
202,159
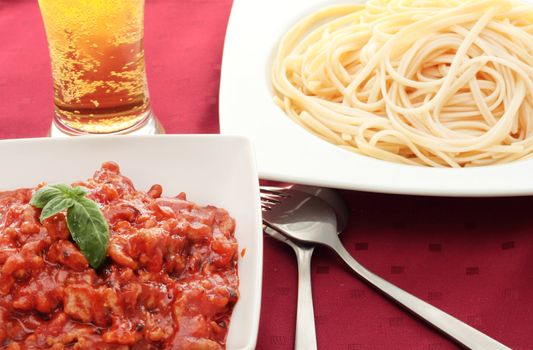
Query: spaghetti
x,y
444,83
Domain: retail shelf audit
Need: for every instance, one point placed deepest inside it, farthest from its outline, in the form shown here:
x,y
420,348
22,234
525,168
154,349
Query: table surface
x,y
470,257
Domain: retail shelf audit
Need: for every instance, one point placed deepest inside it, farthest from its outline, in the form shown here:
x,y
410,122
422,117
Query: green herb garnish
x,y
85,221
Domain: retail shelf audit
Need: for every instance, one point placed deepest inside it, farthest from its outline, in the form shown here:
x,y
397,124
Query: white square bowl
x,y
211,169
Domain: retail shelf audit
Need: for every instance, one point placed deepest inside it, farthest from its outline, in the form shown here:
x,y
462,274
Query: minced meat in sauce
x,y
169,282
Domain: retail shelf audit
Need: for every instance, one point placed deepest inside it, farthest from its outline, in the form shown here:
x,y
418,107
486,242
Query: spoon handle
x,y
456,329
305,317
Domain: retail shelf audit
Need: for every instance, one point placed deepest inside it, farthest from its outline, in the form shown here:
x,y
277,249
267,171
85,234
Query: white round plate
x,y
287,152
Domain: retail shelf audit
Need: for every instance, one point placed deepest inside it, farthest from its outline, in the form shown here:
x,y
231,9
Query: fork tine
x,y
274,191
270,198
265,207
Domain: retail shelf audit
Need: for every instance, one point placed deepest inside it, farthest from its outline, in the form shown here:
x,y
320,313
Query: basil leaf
x,y
55,205
89,230
85,221
44,195
79,191
65,189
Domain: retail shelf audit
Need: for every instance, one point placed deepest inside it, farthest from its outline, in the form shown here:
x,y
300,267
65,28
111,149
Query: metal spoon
x,y
309,219
305,338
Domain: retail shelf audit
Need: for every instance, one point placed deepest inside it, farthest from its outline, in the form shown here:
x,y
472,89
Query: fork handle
x,y
456,329
305,338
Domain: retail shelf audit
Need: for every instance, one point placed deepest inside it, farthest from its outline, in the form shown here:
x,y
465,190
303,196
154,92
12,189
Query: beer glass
x,y
97,56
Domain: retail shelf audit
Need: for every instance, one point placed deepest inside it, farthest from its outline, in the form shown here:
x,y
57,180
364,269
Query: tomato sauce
x,y
169,282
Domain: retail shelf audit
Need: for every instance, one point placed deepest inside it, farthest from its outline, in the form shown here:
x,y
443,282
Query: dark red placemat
x,y
471,257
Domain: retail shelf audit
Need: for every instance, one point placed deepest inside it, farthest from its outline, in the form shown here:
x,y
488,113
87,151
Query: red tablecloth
x,y
471,257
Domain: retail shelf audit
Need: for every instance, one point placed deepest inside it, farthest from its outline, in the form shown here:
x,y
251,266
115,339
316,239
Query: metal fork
x,y
305,337
308,219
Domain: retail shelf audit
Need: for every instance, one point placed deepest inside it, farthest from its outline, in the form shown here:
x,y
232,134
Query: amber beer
x,y
96,49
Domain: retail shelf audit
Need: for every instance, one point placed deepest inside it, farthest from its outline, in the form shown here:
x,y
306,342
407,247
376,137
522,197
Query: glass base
x,y
149,126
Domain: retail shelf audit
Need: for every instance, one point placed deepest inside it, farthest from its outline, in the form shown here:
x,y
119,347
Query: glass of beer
x,y
97,54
